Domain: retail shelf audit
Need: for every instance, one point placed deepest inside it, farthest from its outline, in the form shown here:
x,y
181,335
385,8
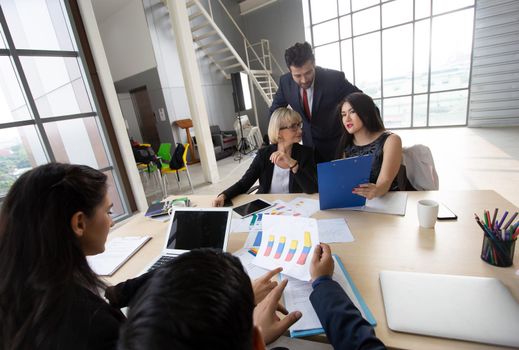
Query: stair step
x,y
217,52
212,43
225,59
260,71
195,15
203,25
232,66
204,36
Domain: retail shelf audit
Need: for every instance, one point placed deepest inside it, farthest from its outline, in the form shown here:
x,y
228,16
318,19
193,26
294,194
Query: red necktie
x,y
305,104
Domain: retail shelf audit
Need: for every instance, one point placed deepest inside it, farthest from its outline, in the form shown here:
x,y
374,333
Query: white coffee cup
x,y
427,213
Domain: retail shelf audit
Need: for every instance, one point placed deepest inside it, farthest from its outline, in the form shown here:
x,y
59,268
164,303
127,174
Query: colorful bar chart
x,y
257,241
281,247
270,244
292,250
306,249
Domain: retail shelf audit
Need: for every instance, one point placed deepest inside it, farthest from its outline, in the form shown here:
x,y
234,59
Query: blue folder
x,y
338,178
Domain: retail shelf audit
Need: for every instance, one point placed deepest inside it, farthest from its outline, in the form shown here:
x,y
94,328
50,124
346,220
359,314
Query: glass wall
x,y
47,111
412,56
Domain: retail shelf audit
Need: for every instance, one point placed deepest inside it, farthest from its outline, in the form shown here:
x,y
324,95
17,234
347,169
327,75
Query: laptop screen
x,y
190,229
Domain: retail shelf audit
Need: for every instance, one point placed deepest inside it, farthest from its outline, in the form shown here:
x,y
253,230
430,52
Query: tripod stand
x,y
243,147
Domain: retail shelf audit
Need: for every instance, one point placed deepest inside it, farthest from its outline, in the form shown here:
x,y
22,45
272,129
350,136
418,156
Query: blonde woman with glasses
x,y
284,166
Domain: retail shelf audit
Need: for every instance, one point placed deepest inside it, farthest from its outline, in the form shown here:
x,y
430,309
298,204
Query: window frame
x,y
310,25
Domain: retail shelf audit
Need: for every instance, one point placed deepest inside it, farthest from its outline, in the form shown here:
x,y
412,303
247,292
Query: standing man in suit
x,y
315,93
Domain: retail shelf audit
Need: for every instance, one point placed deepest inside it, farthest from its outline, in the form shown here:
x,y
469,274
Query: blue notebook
x,y
338,178
309,324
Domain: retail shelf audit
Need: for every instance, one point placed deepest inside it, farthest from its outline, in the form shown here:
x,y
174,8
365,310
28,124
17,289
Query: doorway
x,y
145,116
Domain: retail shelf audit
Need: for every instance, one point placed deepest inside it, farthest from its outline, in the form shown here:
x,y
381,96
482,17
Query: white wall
x,y
217,90
130,118
127,41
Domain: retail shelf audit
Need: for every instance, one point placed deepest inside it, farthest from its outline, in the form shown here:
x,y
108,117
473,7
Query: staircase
x,y
213,44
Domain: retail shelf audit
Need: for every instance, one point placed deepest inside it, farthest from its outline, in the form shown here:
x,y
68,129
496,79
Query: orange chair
x,y
167,170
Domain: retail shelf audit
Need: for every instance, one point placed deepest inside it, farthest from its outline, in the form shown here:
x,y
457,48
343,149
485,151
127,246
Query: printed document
x,y
287,242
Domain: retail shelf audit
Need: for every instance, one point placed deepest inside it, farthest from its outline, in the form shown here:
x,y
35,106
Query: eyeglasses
x,y
293,127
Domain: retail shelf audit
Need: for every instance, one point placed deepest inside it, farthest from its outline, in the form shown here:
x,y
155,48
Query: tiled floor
x,y
465,158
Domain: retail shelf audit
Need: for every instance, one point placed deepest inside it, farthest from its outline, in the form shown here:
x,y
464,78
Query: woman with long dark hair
x,y
52,217
365,134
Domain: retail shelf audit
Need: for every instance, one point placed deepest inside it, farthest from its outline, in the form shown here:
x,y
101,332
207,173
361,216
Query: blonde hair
x,y
281,116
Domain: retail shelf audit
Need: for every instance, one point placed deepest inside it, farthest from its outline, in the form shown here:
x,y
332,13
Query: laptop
x,y
191,228
336,180
479,309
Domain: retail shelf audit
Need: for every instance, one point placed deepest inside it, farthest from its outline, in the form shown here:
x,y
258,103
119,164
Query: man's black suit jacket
x,y
305,180
324,130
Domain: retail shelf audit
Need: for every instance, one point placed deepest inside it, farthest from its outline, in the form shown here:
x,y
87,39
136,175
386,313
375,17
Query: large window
x,y
47,111
412,56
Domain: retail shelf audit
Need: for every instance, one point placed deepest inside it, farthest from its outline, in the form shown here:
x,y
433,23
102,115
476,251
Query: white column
x,y
107,84
193,84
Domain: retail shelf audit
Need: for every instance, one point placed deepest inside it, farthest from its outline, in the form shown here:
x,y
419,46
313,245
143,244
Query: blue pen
x,y
510,221
502,220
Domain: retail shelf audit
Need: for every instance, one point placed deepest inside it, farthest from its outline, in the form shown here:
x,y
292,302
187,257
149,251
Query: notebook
x,y
191,228
478,309
117,251
336,180
297,297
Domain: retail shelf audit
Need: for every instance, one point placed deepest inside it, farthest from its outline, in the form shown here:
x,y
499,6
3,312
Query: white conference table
x,y
382,242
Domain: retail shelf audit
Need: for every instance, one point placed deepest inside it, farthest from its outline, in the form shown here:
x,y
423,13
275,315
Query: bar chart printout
x,y
287,242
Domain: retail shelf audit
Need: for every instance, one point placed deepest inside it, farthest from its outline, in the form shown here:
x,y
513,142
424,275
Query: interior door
x,y
145,117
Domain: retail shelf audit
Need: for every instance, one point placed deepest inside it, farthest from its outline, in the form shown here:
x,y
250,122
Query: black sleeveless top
x,y
376,148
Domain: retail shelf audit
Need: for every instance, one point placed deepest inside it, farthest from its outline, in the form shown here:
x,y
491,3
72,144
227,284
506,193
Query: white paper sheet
x,y
334,231
391,203
240,225
288,242
307,207
297,298
117,251
246,260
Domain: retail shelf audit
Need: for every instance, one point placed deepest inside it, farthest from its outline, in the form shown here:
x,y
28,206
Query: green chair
x,y
164,154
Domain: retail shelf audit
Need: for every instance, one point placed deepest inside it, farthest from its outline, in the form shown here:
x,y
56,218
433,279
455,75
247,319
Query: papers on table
x,y
246,258
117,252
297,297
287,242
391,203
334,231
299,206
240,225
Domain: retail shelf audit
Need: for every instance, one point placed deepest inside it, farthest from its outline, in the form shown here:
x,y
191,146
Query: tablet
x,y
445,213
250,208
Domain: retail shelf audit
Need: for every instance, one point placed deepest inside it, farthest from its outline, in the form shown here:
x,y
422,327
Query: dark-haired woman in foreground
x,y
365,134
52,217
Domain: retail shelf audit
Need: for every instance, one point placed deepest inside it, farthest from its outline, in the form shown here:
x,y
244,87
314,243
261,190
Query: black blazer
x,y
343,323
323,131
305,180
90,323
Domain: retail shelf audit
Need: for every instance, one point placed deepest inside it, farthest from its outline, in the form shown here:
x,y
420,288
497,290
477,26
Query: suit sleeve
x,y
344,325
306,176
345,87
249,178
121,294
279,98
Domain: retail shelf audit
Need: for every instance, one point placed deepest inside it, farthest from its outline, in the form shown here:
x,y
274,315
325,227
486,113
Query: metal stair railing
x,y
267,91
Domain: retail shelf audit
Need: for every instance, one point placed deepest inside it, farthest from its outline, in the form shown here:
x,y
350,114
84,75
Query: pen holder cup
x,y
498,253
